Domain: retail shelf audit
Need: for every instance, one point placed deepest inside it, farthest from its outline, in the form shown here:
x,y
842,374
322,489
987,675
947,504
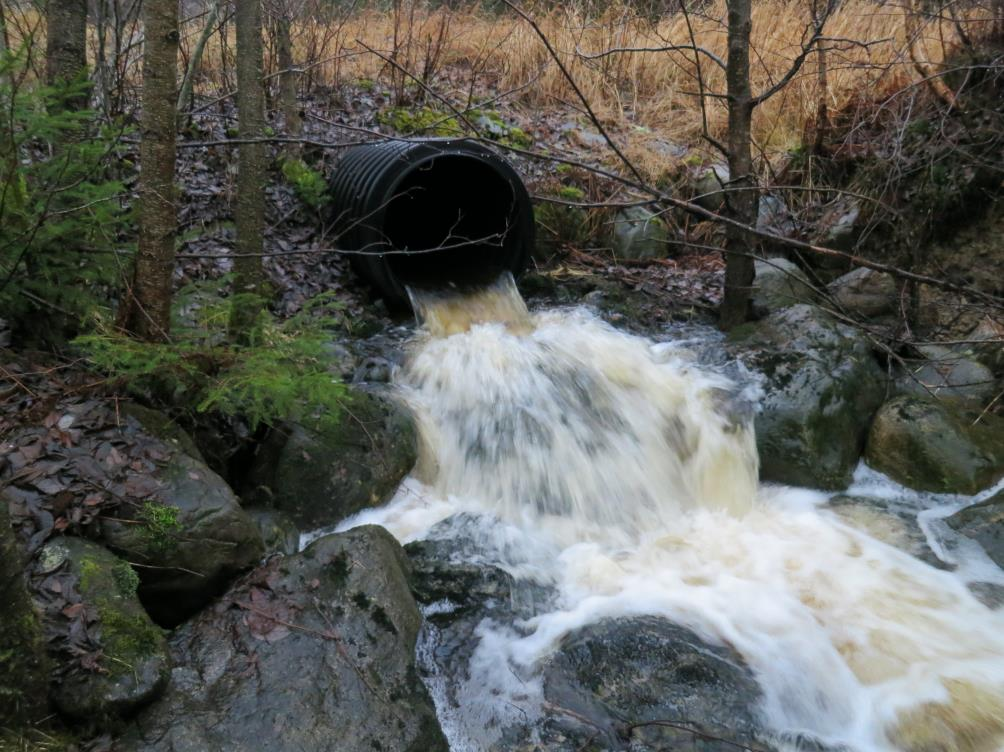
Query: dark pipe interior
x,y
445,202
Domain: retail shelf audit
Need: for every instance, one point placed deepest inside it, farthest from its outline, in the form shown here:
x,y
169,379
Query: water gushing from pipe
x,y
625,475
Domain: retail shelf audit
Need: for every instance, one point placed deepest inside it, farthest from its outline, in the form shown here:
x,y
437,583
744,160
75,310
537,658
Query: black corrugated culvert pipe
x,y
430,213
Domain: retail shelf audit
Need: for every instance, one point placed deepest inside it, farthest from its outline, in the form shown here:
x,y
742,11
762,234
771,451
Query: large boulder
x,y
779,283
822,385
601,689
309,652
131,664
927,445
190,539
865,292
450,568
948,374
321,475
24,670
644,683
984,523
161,426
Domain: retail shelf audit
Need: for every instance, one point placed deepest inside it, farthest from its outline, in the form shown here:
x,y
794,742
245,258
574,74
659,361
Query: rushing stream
x,y
623,474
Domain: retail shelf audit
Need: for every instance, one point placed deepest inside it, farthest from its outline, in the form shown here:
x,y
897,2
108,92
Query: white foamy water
x,y
621,473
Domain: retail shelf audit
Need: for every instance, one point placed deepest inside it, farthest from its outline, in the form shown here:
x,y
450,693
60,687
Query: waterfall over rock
x,y
618,477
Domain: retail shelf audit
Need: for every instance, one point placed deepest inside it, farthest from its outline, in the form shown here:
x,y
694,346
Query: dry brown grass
x,y
644,94
654,90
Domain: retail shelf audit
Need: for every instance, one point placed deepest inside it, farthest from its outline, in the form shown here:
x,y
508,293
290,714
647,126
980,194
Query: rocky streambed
x,y
152,605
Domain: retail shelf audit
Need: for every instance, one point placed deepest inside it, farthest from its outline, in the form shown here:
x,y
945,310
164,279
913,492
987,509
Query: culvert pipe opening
x,y
430,214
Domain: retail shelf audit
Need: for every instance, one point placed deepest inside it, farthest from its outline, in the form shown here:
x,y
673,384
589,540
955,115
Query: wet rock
x,y
24,669
822,386
341,361
885,520
373,370
134,664
191,541
639,233
278,532
309,652
319,476
927,445
162,427
984,523
450,570
948,375
865,292
643,684
779,283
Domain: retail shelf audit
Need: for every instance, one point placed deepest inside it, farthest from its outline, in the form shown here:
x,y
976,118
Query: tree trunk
x,y
147,308
195,61
66,46
741,198
4,39
287,76
250,202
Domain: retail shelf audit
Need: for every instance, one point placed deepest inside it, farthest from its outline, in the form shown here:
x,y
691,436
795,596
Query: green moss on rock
x,y
419,121
320,474
929,446
24,670
134,663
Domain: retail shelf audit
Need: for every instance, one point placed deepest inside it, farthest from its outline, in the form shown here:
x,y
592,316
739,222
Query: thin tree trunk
x,y
4,39
919,55
822,103
742,200
195,62
147,308
101,74
66,46
250,200
287,76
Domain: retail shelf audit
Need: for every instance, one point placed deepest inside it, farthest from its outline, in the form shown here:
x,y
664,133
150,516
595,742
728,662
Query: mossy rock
x,y
865,292
419,121
822,385
314,651
948,374
639,233
319,475
779,283
161,426
929,446
626,673
134,663
24,668
191,541
984,523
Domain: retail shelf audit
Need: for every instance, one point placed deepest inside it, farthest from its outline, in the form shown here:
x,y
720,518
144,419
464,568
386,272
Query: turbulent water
x,y
623,473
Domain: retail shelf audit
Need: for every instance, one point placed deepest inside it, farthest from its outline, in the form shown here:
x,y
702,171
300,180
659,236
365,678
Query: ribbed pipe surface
x,y
430,213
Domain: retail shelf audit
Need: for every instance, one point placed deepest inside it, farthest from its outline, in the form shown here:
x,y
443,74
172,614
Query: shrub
x,y
279,371
61,216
